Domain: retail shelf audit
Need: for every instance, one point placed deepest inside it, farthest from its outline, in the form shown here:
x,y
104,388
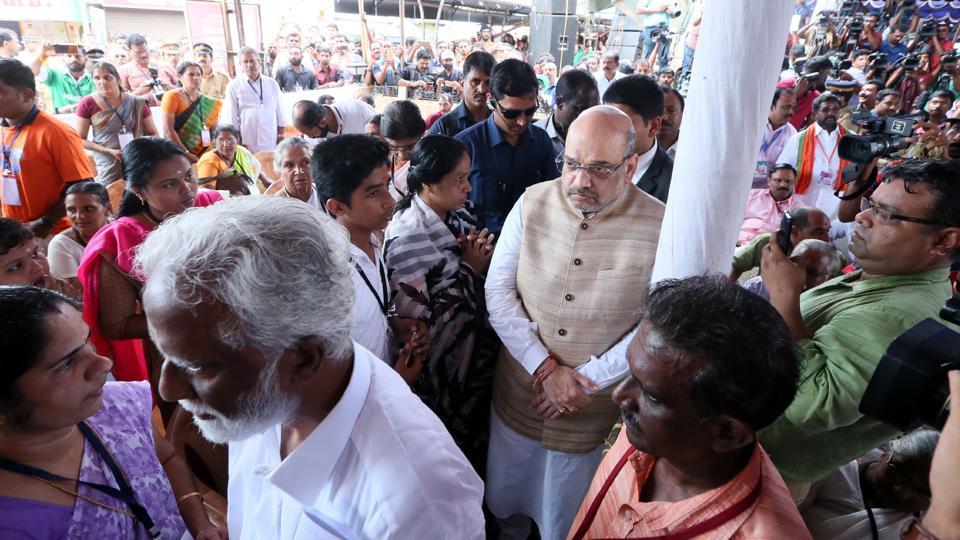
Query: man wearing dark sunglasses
x,y
905,239
507,152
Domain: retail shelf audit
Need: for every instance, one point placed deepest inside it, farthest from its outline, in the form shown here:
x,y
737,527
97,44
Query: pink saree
x,y
120,240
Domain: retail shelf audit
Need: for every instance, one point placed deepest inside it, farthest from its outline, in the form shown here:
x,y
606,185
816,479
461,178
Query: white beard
x,y
258,409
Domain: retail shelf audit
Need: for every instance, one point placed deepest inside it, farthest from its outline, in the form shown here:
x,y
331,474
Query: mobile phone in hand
x,y
66,49
783,239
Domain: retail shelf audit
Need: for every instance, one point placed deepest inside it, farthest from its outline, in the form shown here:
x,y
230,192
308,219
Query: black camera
x,y
949,59
878,59
909,388
884,137
927,30
847,7
911,62
854,31
155,83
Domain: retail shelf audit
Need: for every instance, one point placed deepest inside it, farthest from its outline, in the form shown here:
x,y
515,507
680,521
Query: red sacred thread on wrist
x,y
546,369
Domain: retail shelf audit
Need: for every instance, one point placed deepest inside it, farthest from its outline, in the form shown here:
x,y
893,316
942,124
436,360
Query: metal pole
x,y
436,25
231,54
240,33
403,41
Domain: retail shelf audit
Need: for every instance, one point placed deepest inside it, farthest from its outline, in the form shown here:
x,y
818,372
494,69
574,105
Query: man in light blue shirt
x,y
655,17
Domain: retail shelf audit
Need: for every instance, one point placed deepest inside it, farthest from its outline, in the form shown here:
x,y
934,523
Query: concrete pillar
x,y
735,71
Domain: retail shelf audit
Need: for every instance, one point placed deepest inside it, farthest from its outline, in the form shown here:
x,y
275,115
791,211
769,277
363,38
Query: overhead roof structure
x,y
480,11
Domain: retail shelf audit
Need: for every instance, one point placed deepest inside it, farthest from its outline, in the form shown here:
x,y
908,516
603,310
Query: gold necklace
x,y
85,498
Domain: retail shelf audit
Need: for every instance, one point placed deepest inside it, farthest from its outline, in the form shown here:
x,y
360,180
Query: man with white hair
x,y
564,292
254,101
326,441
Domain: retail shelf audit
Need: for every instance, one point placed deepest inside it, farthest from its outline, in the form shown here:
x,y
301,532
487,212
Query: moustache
x,y
584,191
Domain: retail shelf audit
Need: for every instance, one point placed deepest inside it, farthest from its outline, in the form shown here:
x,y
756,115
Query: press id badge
x,y
205,137
125,138
11,191
762,169
826,178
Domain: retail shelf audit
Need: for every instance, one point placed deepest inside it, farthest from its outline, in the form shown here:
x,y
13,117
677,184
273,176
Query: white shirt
x,y
380,465
64,255
370,327
644,162
352,115
255,109
858,75
509,319
603,83
825,171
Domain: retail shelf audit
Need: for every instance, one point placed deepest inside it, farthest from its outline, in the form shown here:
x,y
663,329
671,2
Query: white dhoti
x,y
525,478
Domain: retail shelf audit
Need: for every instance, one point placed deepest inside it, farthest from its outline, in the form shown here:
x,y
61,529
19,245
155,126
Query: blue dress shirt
x,y
500,173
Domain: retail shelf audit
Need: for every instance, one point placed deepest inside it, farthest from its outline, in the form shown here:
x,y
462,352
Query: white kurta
x,y
826,168
352,115
255,109
380,465
523,477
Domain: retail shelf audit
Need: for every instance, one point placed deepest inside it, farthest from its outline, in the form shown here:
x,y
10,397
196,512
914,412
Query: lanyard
x,y
124,494
123,122
8,148
260,93
385,301
816,141
693,531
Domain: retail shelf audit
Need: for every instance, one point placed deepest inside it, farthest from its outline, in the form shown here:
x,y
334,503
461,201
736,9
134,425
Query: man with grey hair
x,y
820,260
254,102
564,291
253,319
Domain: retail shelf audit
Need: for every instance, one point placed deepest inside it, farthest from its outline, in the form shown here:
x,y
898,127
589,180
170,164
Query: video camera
x,y
878,65
927,30
909,388
854,31
847,8
884,137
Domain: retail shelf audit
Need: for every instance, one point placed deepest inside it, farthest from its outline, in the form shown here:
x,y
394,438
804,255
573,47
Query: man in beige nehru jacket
x,y
564,292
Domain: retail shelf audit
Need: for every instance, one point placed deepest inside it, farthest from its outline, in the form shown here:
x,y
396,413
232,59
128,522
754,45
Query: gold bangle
x,y
191,494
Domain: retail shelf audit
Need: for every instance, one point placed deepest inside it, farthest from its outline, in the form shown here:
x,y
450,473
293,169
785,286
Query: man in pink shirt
x,y
765,207
711,363
140,78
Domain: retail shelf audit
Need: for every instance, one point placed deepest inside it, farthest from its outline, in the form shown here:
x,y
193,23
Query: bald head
x,y
607,123
599,158
306,117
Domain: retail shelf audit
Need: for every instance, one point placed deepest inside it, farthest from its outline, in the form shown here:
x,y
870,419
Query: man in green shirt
x,y
808,222
66,87
905,243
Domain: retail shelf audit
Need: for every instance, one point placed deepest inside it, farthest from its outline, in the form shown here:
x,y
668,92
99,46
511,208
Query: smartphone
x,y
66,49
783,239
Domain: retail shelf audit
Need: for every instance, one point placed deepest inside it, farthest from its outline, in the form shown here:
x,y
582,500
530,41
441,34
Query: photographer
x,y
941,44
140,78
905,79
418,75
904,241
655,21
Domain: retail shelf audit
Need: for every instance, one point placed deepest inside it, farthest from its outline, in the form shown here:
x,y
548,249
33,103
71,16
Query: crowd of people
x,y
443,326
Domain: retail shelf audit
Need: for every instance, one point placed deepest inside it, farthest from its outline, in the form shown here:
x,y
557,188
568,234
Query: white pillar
x,y
738,60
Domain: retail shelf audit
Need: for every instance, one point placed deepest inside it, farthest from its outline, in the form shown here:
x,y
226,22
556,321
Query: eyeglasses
x,y
600,172
513,114
402,148
885,216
